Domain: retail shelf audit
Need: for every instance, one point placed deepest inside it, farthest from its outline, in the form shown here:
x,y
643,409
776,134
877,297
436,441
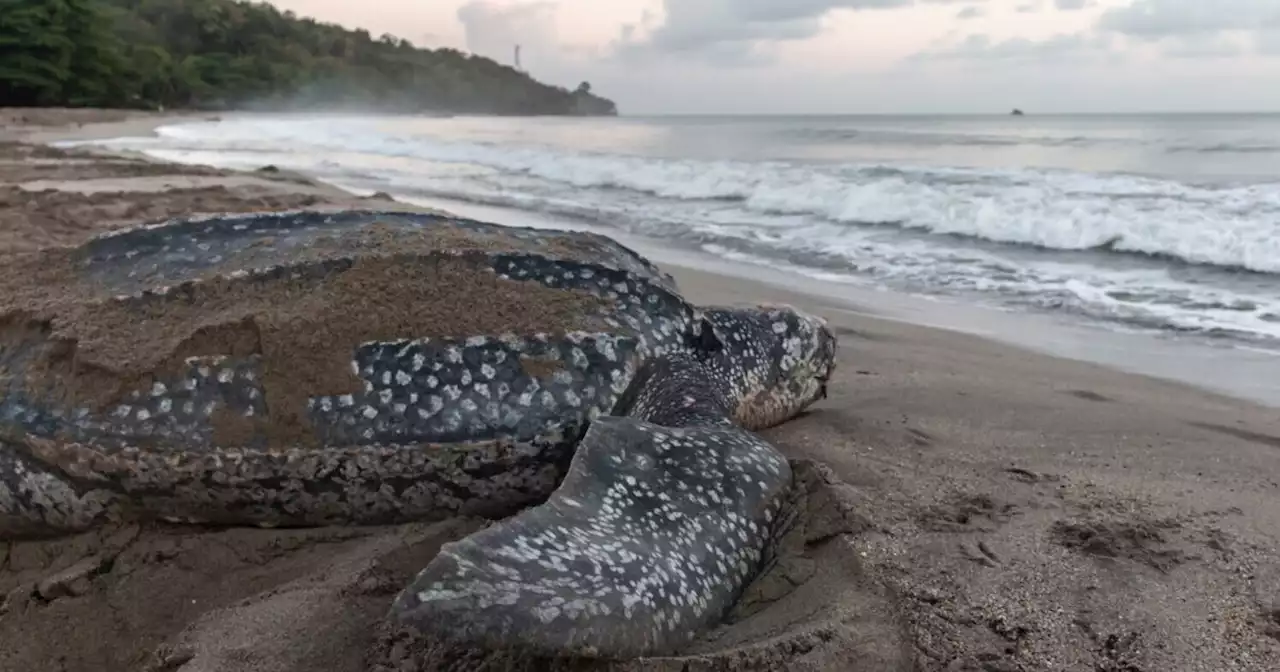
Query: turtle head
x,y
773,361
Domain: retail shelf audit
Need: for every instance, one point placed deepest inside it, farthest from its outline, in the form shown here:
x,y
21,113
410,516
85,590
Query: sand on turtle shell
x,y
304,324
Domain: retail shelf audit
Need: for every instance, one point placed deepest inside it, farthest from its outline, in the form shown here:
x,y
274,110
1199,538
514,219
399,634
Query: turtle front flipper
x,y
665,514
648,541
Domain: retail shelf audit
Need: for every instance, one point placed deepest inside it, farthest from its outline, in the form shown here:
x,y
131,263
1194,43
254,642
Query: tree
x,y
217,54
97,67
35,52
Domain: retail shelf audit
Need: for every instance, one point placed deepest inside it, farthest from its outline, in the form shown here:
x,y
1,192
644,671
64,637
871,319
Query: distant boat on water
x,y
1016,112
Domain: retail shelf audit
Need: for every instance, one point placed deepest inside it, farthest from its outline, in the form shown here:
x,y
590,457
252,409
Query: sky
x,y
863,56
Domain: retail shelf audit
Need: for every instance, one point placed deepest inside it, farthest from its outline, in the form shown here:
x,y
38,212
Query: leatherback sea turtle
x,y
367,367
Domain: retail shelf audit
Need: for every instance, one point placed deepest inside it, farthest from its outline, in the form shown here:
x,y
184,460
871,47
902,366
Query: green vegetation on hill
x,y
234,54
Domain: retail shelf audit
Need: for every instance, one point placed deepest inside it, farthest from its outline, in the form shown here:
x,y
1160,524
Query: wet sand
x,y
972,505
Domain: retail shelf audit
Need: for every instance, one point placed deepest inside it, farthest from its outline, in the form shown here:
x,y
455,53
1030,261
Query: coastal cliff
x,y
235,54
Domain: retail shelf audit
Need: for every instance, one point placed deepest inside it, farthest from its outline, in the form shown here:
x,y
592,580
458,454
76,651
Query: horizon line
x,y
1008,113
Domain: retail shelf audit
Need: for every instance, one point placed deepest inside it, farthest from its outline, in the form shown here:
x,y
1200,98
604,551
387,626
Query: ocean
x,y
1168,224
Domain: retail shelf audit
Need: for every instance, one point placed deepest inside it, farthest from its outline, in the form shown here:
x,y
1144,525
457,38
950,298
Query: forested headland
x,y
235,54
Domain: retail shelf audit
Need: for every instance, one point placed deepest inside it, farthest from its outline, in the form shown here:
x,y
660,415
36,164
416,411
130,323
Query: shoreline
x,y
980,506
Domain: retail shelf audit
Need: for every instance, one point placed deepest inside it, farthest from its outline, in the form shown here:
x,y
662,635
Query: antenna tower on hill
x,y
518,59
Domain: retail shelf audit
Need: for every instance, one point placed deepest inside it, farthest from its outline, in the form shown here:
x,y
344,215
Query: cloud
x,y
1028,8
1267,42
1070,48
1187,29
731,30
493,30
970,13
1201,47
1158,19
1071,5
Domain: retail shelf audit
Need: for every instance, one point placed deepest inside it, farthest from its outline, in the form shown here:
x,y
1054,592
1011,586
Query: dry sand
x,y
972,506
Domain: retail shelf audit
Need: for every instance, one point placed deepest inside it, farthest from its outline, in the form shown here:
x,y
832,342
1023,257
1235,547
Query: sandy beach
x,y
971,505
